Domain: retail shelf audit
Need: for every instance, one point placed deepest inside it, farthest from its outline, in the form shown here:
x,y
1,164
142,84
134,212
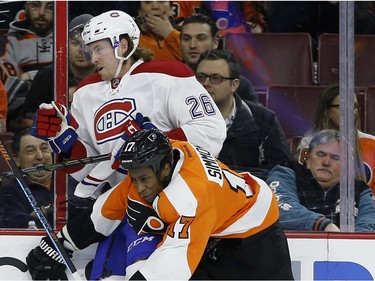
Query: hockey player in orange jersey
x,y
216,223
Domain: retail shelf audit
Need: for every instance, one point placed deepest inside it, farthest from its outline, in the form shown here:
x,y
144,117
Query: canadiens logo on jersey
x,y
110,118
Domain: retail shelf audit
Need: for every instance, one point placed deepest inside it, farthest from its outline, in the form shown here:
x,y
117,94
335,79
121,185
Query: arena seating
x,y
364,59
273,58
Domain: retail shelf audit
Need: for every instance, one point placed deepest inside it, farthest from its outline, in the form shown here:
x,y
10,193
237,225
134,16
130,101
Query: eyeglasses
x,y
37,5
214,78
356,106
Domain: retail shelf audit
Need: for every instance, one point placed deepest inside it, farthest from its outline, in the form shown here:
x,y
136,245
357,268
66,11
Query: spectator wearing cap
x,y
80,66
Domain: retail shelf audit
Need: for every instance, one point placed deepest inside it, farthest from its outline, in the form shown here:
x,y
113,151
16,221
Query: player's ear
x,y
124,46
215,41
166,170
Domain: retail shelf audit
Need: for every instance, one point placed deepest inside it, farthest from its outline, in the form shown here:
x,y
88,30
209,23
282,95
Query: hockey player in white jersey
x,y
127,85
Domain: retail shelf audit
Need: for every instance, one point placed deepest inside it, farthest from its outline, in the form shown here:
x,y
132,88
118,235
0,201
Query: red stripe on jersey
x,y
78,152
177,134
173,68
93,78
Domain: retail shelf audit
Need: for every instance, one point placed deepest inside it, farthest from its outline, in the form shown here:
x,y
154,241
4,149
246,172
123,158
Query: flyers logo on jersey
x,y
144,219
110,119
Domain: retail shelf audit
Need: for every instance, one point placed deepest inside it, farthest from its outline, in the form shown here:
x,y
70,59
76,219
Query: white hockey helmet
x,y
111,25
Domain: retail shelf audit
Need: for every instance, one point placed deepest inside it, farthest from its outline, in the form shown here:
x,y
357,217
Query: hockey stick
x,y
56,166
52,235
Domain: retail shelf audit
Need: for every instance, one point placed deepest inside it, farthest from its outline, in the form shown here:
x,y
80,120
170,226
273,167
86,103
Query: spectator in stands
x,y
80,67
8,12
327,116
255,141
158,31
28,44
236,16
27,47
309,195
199,33
184,9
30,152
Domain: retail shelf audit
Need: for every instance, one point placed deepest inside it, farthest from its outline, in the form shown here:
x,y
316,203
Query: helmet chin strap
x,y
119,67
121,60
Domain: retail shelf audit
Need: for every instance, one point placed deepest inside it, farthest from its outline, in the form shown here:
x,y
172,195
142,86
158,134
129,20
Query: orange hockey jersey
x,y
367,144
204,199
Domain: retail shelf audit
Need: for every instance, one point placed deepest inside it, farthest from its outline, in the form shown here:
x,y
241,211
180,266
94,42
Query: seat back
x,y
273,58
364,59
294,106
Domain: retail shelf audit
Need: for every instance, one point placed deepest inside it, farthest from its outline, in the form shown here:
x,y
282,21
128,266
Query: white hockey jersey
x,y
164,91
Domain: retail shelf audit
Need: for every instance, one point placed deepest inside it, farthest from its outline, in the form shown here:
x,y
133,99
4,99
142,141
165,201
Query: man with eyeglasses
x,y
199,33
255,141
308,194
26,48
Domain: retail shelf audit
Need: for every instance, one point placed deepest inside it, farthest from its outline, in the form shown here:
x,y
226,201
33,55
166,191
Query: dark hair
x,y
199,18
16,140
323,121
217,54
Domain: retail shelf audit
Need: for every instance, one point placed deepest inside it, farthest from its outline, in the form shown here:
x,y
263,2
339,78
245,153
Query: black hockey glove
x,y
45,262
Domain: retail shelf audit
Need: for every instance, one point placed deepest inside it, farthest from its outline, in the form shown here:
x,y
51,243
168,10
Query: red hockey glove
x,y
55,124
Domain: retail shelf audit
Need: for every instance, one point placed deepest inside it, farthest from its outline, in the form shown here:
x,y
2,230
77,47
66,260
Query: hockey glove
x,y
44,262
56,125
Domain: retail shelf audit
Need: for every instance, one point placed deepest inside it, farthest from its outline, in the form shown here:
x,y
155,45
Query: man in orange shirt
x,y
216,223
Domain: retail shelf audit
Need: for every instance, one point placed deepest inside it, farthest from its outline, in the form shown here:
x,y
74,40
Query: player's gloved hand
x,y
90,186
55,124
44,262
46,209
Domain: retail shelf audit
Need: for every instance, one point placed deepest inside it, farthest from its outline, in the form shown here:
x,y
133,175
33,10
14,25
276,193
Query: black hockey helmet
x,y
146,148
